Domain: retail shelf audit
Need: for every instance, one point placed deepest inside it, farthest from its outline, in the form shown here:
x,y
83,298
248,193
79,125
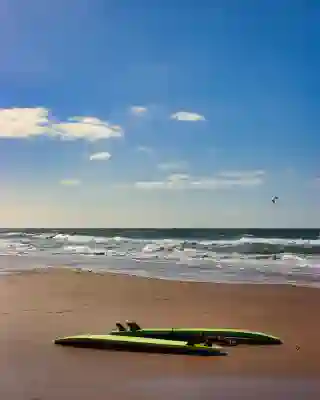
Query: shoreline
x,y
37,306
87,270
227,256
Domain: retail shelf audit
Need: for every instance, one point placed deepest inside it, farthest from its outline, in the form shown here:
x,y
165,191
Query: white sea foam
x,y
245,259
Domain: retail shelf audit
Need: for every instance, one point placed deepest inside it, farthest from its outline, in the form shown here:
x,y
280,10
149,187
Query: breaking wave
x,y
176,253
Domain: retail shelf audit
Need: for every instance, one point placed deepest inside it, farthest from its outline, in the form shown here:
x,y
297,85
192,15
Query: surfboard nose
x,y
276,341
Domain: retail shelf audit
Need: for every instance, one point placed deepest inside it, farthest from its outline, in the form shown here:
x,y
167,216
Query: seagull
x,y
274,199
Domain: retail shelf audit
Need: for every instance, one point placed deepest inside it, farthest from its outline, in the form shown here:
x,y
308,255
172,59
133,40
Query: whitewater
x,y
247,258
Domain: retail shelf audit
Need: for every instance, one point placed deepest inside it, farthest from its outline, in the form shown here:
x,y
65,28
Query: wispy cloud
x,y
184,181
89,128
172,166
187,116
21,123
242,174
70,182
138,110
145,149
102,156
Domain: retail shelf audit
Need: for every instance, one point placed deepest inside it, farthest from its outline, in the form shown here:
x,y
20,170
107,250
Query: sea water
x,y
214,255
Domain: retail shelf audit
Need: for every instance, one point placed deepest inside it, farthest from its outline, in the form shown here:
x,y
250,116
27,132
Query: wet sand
x,y
35,307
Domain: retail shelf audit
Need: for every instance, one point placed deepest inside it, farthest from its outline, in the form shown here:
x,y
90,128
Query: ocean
x,y
284,256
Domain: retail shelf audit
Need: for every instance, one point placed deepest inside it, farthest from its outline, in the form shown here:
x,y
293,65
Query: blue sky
x,y
159,113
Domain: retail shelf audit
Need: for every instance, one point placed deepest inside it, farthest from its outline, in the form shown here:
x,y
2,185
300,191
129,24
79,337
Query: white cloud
x,y
183,181
138,110
178,178
89,128
173,181
241,174
26,122
174,165
70,182
187,116
23,122
103,156
150,185
145,149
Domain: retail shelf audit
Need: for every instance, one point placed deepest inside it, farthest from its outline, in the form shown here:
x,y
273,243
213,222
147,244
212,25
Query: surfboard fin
x,y
120,327
133,326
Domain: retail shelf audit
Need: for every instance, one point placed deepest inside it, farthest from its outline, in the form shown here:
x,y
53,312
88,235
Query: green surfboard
x,y
133,343
239,336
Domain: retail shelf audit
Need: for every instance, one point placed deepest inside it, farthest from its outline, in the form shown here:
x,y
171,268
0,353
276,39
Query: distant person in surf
x,y
274,199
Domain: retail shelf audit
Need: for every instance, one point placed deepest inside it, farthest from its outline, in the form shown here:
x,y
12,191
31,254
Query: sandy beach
x,y
36,307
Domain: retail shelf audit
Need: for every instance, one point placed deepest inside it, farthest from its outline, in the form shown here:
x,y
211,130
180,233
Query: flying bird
x,y
274,199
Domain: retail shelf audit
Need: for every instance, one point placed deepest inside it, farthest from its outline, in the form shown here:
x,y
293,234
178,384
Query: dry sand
x,y
37,307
